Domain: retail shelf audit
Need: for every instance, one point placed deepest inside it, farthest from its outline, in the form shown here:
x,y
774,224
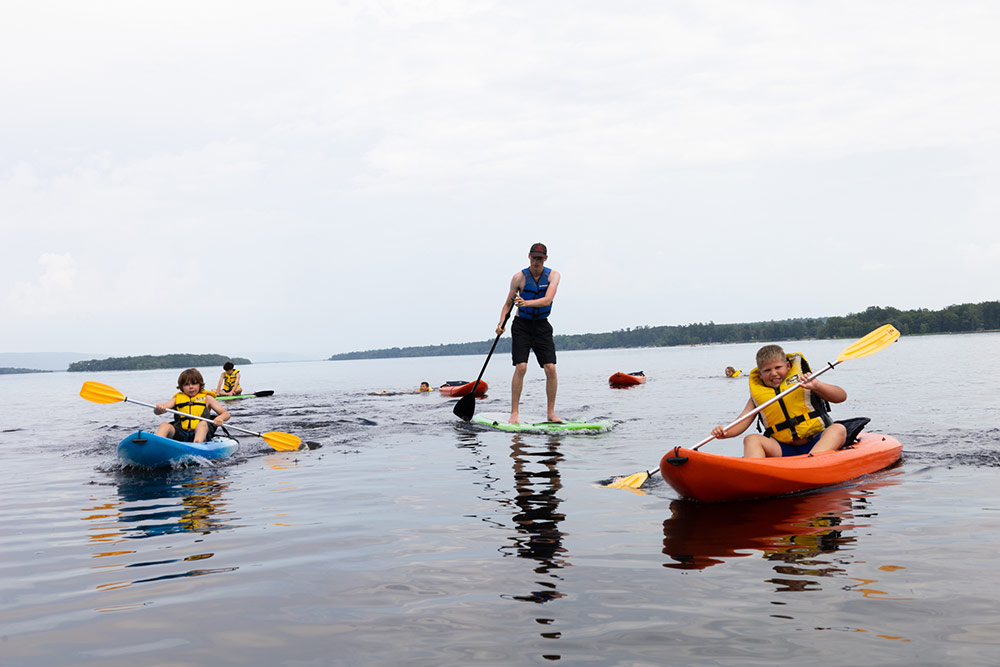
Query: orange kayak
x,y
461,389
712,478
627,379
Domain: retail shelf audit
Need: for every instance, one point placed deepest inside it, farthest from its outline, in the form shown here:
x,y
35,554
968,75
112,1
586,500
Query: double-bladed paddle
x,y
102,393
466,406
876,341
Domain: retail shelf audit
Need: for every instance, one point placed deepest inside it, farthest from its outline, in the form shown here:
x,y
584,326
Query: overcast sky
x,y
286,180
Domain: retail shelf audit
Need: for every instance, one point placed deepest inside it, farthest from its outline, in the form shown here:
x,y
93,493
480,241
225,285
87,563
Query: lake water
x,y
409,537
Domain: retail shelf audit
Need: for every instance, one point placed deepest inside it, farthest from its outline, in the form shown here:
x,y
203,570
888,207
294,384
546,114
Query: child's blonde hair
x,y
191,376
769,353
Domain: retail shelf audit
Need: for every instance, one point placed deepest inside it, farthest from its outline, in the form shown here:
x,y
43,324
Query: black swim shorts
x,y
527,335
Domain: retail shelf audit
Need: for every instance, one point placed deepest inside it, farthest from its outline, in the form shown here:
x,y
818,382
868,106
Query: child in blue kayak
x,y
798,422
229,381
194,400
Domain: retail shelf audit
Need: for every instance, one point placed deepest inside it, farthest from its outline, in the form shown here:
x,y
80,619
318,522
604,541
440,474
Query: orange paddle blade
x,y
101,393
283,442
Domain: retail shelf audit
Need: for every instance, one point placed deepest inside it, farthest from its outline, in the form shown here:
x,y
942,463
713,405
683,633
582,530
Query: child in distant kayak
x,y
425,386
798,422
229,381
732,372
194,400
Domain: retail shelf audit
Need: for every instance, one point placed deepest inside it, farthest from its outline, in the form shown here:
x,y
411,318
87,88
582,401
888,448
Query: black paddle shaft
x,y
466,406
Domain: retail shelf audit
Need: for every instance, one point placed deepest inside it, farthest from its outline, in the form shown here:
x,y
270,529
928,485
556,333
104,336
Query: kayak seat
x,y
854,426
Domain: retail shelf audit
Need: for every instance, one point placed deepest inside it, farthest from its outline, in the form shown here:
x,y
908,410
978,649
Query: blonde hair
x,y
769,353
191,376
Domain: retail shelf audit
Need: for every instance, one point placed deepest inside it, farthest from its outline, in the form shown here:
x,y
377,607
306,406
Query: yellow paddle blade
x,y
874,342
630,482
101,393
283,442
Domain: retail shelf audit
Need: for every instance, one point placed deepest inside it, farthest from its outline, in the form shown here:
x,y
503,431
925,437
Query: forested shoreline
x,y
151,362
961,318
7,370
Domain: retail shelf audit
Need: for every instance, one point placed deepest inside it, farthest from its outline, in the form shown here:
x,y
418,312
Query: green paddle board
x,y
256,394
499,421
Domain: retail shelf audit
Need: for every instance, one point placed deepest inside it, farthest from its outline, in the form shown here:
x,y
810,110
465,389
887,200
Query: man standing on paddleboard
x,y
532,291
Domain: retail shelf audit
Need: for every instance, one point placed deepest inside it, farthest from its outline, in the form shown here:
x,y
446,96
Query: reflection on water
x,y
802,536
786,530
536,483
156,504
149,502
536,518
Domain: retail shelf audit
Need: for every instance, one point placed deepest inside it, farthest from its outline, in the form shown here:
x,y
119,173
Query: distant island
x,y
14,371
149,362
964,318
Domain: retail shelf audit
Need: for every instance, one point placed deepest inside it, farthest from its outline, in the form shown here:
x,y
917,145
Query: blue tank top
x,y
534,290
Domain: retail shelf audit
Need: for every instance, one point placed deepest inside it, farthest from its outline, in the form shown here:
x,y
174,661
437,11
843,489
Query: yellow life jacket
x,y
798,415
736,374
196,405
231,382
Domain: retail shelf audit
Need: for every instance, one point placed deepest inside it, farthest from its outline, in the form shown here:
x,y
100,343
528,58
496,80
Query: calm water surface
x,y
409,537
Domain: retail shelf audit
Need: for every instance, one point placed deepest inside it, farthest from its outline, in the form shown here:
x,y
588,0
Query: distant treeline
x,y
11,371
962,318
148,362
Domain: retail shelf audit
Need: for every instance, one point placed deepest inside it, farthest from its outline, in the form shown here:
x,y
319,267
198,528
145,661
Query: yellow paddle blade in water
x,y
283,442
101,393
630,482
874,342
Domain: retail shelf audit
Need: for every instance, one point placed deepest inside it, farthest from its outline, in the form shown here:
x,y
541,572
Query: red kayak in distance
x,y
712,478
461,388
627,379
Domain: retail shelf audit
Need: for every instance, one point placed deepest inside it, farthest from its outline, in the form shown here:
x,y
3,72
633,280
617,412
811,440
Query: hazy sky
x,y
295,179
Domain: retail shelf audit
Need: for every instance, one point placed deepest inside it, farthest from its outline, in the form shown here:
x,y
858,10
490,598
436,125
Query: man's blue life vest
x,y
534,290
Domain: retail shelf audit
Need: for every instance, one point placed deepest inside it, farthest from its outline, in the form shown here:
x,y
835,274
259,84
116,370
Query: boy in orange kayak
x,y
798,422
192,399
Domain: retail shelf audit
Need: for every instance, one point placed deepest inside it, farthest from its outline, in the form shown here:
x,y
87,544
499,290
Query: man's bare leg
x,y
516,383
551,384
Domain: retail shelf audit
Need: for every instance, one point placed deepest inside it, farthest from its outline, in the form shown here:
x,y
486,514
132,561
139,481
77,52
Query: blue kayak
x,y
149,450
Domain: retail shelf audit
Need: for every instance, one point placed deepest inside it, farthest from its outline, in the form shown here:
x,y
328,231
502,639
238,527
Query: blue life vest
x,y
534,290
